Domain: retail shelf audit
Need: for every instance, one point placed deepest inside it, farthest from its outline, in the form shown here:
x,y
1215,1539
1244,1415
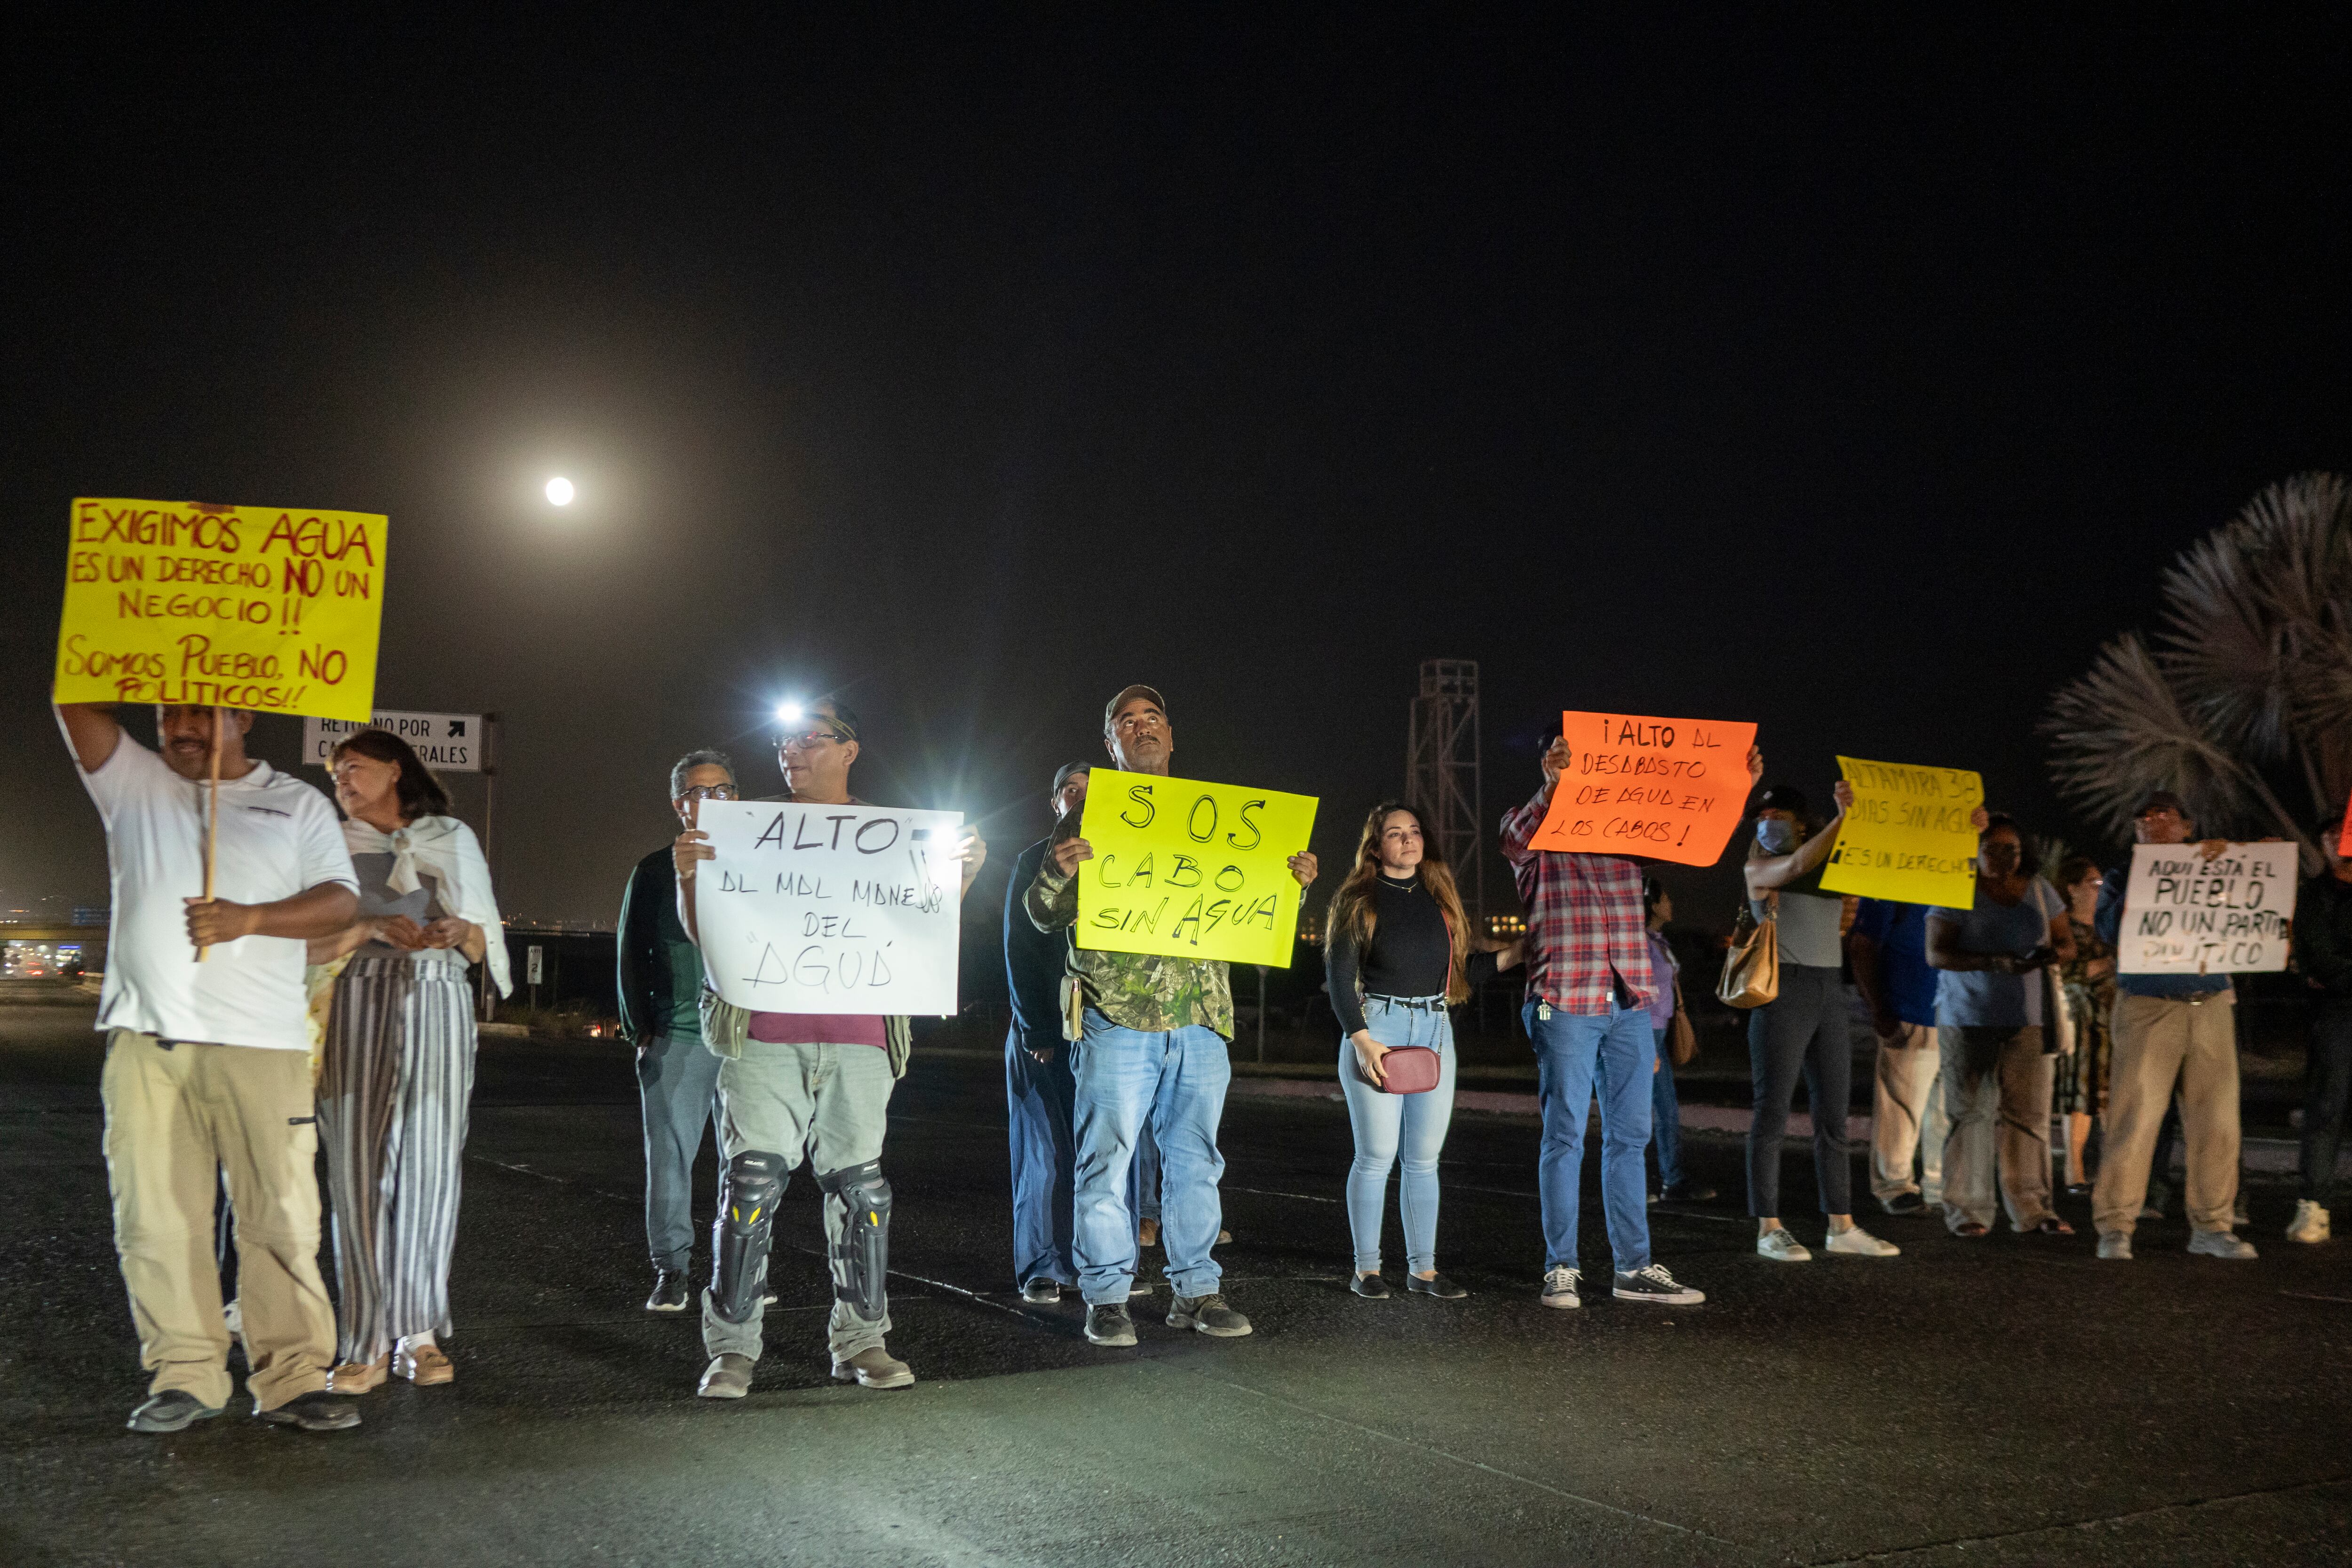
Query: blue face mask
x,y
1776,838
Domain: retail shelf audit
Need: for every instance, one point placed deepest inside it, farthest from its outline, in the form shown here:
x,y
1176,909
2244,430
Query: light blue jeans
x,y
1173,1083
1386,1124
1578,1056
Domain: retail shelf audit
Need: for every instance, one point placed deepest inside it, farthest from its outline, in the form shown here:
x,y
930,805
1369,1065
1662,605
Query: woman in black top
x,y
1399,955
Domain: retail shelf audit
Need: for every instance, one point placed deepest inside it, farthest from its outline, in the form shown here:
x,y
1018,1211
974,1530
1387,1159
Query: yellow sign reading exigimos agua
x,y
1191,869
247,606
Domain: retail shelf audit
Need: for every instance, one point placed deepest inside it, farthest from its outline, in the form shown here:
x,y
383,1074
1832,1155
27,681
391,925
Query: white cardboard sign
x,y
2184,914
830,909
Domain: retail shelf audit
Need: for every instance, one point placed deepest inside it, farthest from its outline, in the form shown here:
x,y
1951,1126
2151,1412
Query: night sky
x,y
1825,367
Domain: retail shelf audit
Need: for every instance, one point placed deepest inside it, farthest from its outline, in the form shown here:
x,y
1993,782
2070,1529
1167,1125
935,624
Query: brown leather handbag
x,y
1751,966
1682,1040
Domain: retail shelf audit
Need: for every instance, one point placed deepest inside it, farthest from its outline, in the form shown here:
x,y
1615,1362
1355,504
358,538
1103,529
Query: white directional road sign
x,y
448,742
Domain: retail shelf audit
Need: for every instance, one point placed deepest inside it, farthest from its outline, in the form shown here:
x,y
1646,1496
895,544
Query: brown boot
x,y
874,1367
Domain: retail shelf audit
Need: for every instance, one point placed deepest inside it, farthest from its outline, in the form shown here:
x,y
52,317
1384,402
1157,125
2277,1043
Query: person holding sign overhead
x,y
795,1086
1590,986
2169,1028
208,1058
1804,1030
1152,1050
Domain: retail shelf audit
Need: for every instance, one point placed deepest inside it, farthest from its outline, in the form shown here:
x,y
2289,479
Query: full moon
x,y
559,492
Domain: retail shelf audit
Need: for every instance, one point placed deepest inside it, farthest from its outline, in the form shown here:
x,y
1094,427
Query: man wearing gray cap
x,y
2169,1027
1152,1051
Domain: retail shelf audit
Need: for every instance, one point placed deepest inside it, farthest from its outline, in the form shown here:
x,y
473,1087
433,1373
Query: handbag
x,y
1751,966
1682,1040
1408,1069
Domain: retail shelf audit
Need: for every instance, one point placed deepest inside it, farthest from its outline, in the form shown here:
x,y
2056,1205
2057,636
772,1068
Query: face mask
x,y
1776,838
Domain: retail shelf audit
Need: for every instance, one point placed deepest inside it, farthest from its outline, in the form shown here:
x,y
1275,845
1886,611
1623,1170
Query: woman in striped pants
x,y
398,1065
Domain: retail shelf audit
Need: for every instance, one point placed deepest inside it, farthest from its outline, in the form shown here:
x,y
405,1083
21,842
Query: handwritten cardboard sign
x,y
1908,836
830,909
1193,870
2344,836
1661,789
2184,914
249,606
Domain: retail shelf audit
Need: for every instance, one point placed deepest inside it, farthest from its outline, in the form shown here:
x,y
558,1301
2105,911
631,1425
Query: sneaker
x,y
1779,1246
1688,1192
1109,1324
1903,1204
1042,1292
2222,1244
1655,1285
2310,1222
173,1410
1559,1287
1370,1286
728,1376
1855,1242
2115,1246
670,1291
1210,1315
317,1411
1437,1285
874,1367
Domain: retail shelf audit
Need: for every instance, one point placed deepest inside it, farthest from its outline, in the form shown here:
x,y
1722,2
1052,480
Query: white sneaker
x,y
1855,1242
2222,1244
1779,1246
2115,1246
2310,1222
1559,1287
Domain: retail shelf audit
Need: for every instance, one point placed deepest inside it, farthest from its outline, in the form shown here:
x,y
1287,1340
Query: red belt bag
x,y
1408,1069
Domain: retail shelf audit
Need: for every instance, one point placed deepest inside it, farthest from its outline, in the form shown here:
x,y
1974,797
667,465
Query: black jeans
x,y
2327,1088
1806,1029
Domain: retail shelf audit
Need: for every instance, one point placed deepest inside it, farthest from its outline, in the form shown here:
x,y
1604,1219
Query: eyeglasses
x,y
807,738
711,792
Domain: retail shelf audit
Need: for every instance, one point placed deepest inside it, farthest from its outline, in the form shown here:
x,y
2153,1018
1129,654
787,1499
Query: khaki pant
x,y
2159,1039
1996,1092
177,1120
1905,1120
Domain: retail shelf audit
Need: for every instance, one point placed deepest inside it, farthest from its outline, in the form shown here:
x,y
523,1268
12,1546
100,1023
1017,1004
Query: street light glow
x,y
558,491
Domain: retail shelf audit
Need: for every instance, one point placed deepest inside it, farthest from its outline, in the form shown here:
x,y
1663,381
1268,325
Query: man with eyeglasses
x,y
660,988
1153,1050
2169,1028
795,1086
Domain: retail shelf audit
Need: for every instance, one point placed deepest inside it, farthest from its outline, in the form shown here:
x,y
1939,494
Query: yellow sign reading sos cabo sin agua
x,y
1190,869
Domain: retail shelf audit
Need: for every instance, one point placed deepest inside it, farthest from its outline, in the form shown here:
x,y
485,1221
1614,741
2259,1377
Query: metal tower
x,y
1441,771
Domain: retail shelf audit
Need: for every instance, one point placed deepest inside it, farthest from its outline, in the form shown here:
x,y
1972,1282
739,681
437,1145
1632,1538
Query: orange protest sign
x,y
1662,789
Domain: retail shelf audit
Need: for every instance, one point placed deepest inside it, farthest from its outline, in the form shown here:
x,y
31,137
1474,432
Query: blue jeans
x,y
1384,1123
1037,1102
1174,1083
678,1084
1665,1118
1576,1055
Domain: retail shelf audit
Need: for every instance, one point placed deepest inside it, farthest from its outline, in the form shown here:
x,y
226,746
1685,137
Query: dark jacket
x,y
2322,933
1033,961
658,969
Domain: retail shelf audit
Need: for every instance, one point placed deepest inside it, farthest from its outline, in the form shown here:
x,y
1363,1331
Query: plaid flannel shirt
x,y
1588,934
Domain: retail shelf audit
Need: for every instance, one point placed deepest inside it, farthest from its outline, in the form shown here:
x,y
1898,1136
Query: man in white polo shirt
x,y
208,1064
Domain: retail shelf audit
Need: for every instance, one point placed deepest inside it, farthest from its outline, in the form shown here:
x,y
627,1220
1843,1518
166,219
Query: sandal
x,y
2050,1224
1971,1229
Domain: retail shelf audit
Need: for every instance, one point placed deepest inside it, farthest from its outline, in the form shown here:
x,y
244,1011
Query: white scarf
x,y
447,848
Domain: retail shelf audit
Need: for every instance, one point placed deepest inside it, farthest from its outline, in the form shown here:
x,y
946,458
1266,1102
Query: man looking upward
x,y
1153,1051
795,1086
208,1063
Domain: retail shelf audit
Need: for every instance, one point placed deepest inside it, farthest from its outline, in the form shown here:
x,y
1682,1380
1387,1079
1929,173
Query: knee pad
x,y
861,1257
748,1191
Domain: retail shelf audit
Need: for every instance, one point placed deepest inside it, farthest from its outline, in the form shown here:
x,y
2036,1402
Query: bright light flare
x,y
559,492
790,713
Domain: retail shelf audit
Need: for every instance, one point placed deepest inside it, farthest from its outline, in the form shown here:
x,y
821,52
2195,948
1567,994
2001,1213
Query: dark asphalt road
x,y
2003,1400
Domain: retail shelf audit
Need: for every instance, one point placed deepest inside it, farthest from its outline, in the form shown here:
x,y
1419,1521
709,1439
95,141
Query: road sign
x,y
448,742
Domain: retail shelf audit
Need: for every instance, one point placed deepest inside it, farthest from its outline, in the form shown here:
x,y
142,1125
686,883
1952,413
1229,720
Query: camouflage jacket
x,y
1143,991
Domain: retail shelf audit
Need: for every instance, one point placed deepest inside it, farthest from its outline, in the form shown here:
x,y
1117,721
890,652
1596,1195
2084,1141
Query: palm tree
x,y
2247,692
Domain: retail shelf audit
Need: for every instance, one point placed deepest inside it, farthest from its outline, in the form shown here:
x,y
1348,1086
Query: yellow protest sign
x,y
247,606
1908,836
1191,869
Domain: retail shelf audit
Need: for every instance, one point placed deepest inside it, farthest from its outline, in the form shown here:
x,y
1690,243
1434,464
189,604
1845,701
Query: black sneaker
x,y
317,1411
671,1291
173,1410
1437,1285
1370,1286
1042,1291
1904,1203
1109,1324
1655,1284
1210,1315
1688,1192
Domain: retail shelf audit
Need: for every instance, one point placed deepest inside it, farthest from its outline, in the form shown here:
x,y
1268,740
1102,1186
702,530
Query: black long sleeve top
x,y
1033,960
1408,956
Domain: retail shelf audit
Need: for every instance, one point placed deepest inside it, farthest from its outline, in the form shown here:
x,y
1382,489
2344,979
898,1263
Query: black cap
x,y
1784,798
1062,774
2162,800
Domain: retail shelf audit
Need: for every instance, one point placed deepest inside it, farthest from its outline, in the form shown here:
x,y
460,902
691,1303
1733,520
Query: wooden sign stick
x,y
212,822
